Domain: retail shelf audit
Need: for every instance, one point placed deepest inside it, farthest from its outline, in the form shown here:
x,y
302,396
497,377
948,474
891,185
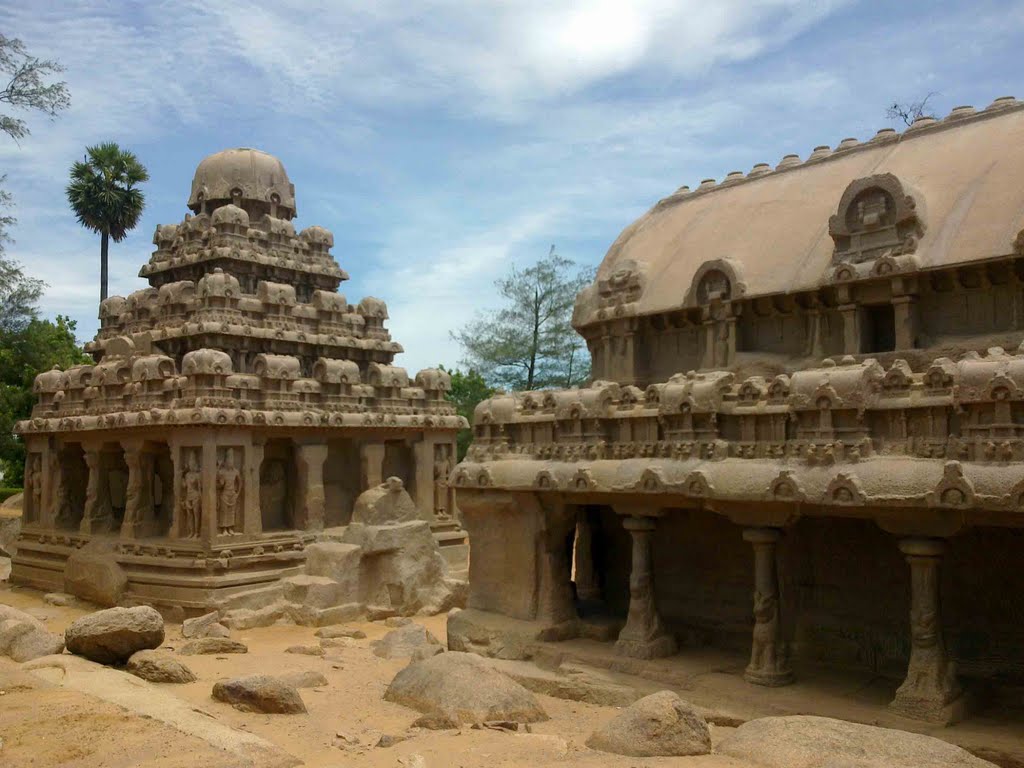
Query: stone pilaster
x,y
643,636
851,329
768,659
310,463
588,588
208,467
931,691
423,457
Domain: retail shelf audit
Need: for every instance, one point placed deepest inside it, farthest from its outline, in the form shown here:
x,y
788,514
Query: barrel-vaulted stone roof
x,y
770,229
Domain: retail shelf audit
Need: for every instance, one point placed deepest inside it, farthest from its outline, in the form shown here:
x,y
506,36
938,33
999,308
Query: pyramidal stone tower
x,y
238,406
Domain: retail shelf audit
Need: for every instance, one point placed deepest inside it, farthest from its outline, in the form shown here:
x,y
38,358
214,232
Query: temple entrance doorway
x,y
277,486
398,462
601,555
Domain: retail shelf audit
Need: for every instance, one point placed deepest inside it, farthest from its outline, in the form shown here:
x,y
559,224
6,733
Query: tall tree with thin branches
x,y
27,86
105,196
529,343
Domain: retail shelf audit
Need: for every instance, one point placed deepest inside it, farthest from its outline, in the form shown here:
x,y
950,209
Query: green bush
x,y
6,493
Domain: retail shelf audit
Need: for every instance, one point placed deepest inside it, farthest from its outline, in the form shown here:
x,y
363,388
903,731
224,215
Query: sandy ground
x,y
43,726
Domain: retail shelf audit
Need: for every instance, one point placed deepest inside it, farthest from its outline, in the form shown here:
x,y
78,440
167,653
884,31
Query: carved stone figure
x,y
442,470
34,482
192,497
60,502
229,488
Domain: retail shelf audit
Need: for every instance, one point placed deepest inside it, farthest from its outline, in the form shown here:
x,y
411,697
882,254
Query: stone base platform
x,y
179,578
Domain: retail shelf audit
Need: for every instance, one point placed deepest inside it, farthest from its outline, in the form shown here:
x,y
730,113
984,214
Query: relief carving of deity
x,y
192,498
229,489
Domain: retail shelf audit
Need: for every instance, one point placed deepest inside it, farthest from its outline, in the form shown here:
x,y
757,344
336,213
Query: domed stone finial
x,y
247,178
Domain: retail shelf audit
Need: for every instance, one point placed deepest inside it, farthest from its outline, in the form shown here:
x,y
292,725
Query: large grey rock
x,y
259,693
207,645
207,625
111,636
404,642
158,667
458,688
803,741
26,640
92,573
659,724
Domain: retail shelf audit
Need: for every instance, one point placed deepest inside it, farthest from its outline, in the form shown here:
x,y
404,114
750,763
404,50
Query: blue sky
x,y
444,141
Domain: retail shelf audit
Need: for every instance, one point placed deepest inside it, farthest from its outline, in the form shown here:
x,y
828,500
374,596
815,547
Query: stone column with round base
x,y
931,691
643,636
769,664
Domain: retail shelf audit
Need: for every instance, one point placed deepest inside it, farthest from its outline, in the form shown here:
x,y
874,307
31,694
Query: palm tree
x,y
105,197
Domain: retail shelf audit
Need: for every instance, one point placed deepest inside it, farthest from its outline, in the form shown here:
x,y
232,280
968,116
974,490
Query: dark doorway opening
x,y
878,329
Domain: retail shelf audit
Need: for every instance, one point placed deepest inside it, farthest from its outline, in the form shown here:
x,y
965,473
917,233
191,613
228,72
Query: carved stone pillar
x,y
136,495
643,636
372,458
310,460
768,662
905,316
252,514
588,588
851,329
931,691
96,517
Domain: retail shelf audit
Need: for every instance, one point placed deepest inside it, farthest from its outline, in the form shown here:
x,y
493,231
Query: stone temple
x,y
238,407
809,387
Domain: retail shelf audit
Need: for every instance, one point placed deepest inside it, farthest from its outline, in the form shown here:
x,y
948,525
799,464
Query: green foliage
x,y
468,390
6,493
530,343
37,347
27,87
18,297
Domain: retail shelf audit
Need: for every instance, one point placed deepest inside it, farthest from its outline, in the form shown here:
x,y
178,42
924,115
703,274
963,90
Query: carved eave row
x,y
239,337
950,489
238,417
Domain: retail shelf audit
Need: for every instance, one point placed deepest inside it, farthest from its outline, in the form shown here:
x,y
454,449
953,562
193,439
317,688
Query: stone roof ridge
x,y
958,116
